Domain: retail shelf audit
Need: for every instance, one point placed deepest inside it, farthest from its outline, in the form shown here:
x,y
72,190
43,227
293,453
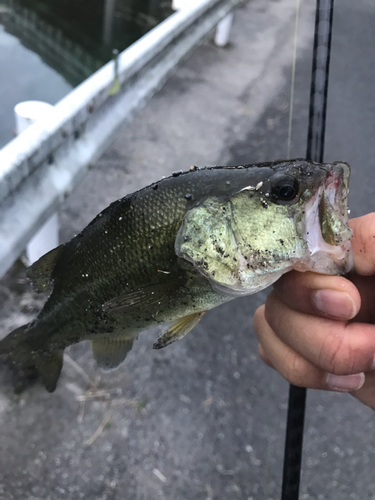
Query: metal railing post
x,y
223,31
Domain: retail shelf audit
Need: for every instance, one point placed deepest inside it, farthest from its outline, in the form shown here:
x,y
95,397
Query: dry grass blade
x,y
99,430
79,370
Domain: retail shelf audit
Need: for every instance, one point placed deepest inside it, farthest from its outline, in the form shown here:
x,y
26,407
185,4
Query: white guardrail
x,y
42,165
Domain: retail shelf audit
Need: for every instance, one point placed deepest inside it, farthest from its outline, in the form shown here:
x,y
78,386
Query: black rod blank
x,y
293,443
319,80
314,152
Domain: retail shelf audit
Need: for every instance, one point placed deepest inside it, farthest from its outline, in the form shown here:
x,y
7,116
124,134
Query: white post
x,y
47,238
223,30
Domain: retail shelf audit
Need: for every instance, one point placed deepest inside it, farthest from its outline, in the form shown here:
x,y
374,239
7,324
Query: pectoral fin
x,y
142,298
178,329
109,353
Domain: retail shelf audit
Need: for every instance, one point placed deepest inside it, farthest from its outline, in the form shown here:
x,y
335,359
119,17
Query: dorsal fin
x,y
40,272
109,353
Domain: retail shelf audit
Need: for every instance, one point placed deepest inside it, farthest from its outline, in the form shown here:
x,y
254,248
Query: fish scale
x,y
174,250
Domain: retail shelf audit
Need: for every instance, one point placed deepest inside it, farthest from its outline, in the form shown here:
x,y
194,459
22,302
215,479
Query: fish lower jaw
x,y
249,284
324,258
332,260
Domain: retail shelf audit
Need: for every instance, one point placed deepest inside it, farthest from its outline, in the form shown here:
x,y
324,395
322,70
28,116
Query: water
x,y
48,47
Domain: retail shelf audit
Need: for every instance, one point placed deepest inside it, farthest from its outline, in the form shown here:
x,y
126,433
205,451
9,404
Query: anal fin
x,y
178,329
109,353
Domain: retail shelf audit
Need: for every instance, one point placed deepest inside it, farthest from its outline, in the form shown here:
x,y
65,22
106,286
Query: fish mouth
x,y
326,228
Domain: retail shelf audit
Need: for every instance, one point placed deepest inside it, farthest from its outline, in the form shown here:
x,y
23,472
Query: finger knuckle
x,y
295,370
337,357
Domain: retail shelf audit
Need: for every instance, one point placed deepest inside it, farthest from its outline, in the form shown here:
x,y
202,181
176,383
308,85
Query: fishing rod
x,y
314,152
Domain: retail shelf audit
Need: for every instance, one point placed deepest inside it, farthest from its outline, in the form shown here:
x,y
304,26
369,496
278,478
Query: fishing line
x,y
315,151
292,85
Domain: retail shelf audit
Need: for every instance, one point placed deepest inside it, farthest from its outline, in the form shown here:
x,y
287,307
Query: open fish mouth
x,y
326,228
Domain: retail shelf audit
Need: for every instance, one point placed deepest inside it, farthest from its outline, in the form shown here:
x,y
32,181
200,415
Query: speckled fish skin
x,y
177,248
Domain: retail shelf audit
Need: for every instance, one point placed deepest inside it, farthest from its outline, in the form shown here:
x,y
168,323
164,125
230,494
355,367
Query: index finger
x,y
332,296
363,244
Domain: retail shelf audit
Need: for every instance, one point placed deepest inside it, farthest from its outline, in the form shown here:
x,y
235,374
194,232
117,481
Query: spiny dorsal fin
x,y
178,329
109,353
49,366
40,272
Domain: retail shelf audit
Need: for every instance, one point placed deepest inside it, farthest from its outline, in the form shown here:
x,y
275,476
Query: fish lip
x,y
333,193
336,186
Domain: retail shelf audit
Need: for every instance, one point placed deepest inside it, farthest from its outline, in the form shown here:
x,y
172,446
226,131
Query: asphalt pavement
x,y
203,419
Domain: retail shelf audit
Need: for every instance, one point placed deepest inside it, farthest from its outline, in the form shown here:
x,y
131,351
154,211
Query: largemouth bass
x,y
170,252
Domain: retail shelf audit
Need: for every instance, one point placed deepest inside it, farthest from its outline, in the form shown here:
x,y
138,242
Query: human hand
x,y
318,331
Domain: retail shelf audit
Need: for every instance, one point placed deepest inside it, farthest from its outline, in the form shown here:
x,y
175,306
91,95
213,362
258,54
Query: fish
x,y
170,252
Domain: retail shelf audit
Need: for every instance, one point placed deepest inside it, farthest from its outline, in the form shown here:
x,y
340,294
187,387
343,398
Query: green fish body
x,y
173,250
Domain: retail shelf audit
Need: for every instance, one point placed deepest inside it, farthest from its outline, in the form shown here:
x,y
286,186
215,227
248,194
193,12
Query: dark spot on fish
x,y
234,258
155,186
177,173
281,241
188,196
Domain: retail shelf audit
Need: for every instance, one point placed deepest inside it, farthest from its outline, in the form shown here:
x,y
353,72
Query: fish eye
x,y
285,188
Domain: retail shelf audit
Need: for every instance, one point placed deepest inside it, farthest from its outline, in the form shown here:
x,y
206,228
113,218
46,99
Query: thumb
x,y
363,244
